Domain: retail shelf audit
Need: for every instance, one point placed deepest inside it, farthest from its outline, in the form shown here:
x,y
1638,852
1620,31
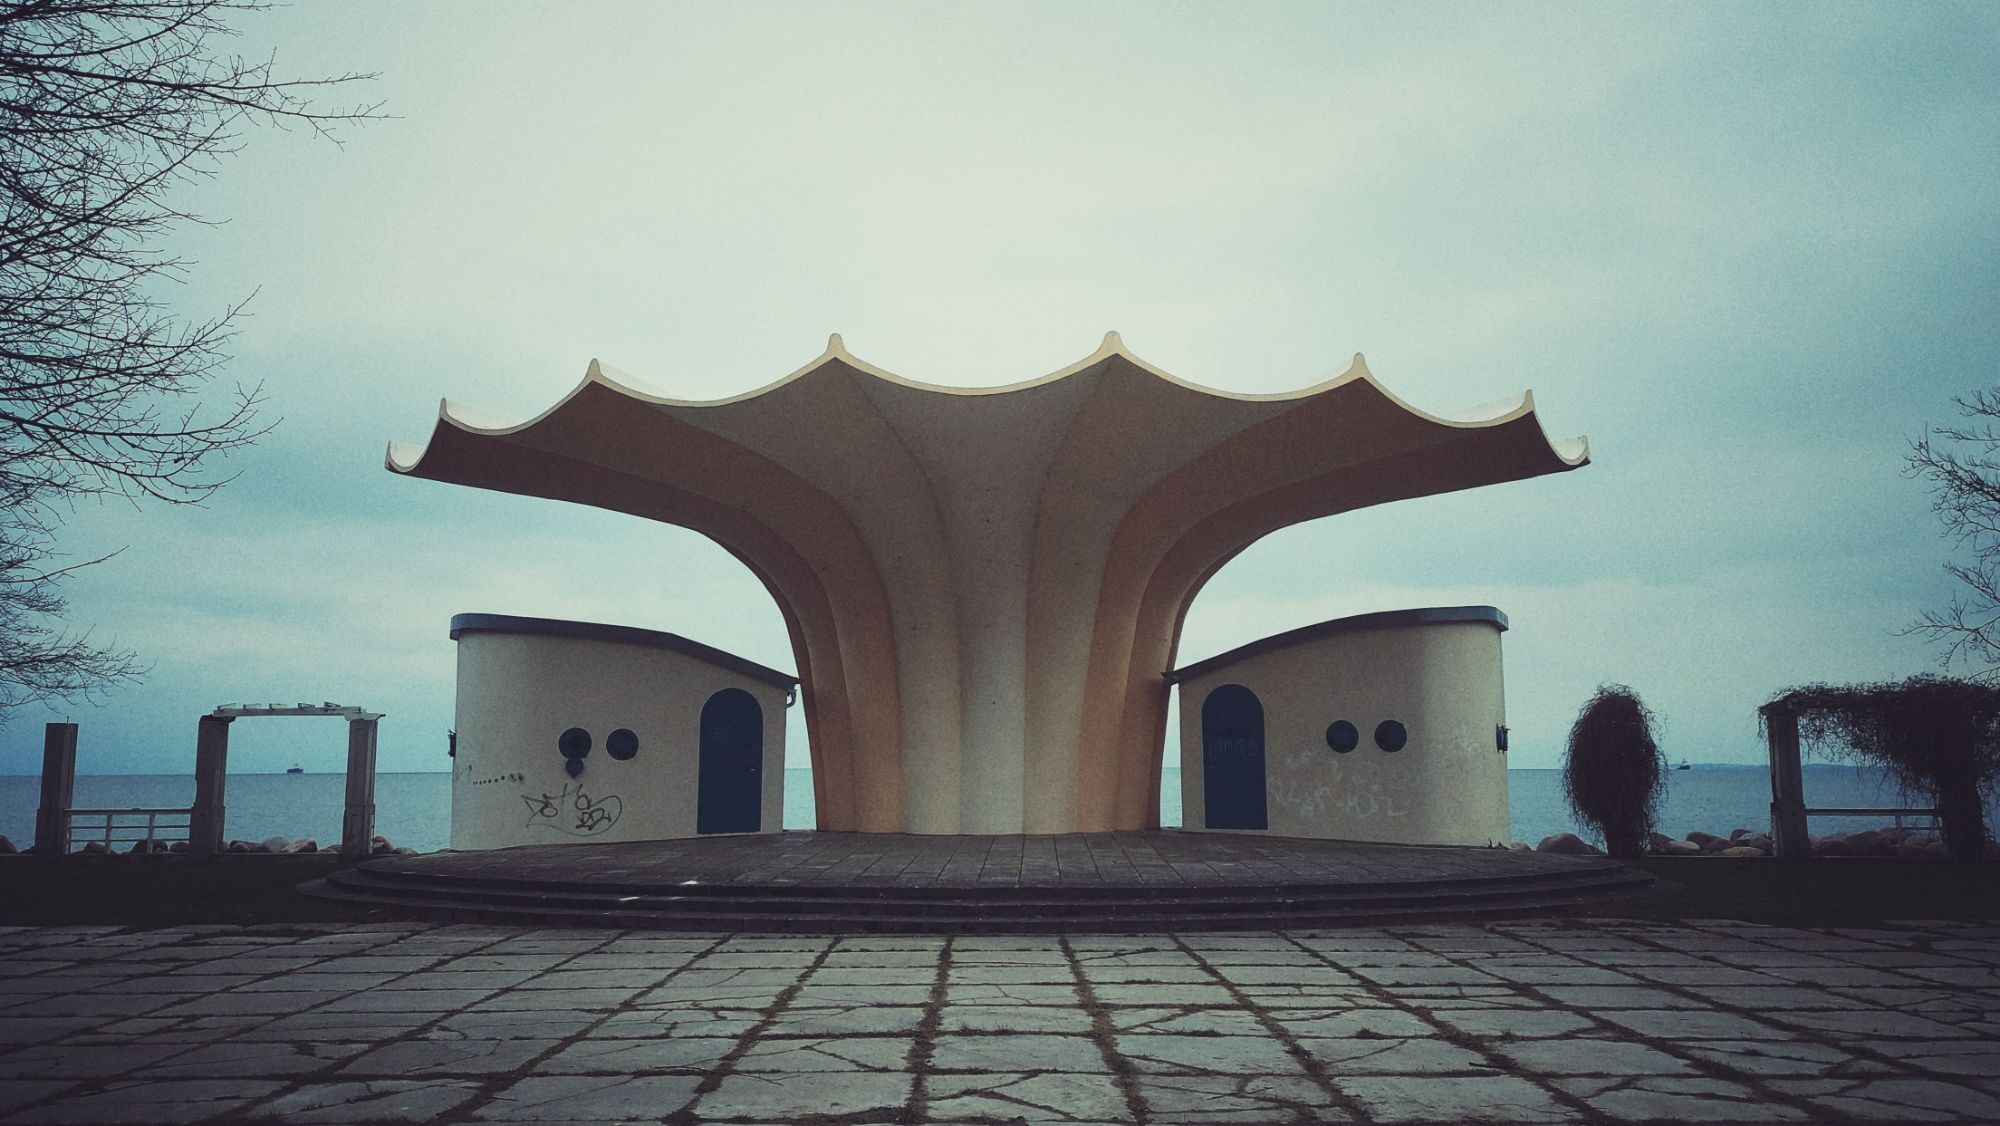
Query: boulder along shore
x,y
1886,841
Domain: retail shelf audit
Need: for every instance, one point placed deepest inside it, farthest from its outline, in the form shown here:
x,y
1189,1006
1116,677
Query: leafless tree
x,y
1962,465
39,660
109,109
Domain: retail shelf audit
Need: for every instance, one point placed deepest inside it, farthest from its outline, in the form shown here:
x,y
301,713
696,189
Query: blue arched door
x,y
730,788
1232,759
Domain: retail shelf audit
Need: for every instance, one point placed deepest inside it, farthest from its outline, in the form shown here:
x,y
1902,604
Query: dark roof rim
x,y
1423,615
599,631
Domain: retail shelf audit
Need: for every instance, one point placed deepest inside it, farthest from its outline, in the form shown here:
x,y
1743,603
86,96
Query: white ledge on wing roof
x,y
403,457
1573,451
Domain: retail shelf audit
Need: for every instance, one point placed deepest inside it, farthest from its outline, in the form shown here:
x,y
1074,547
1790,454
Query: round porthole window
x,y
1391,735
621,744
1342,737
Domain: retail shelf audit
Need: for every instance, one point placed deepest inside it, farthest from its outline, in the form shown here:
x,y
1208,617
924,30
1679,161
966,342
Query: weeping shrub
x,y
1937,737
1613,772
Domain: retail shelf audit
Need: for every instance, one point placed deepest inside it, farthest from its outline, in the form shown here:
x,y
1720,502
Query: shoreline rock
x,y
1568,844
1887,841
271,846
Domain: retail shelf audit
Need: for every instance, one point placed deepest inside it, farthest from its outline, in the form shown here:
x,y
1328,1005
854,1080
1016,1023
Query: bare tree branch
x,y
1961,464
107,109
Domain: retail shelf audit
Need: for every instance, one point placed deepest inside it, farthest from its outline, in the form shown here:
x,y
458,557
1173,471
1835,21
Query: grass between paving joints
x,y
1575,1021
170,891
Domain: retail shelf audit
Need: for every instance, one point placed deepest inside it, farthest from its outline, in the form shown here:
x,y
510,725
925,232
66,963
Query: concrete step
x,y
825,923
972,899
994,891
976,909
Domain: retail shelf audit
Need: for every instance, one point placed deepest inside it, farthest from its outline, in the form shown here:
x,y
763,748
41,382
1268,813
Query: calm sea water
x,y
415,809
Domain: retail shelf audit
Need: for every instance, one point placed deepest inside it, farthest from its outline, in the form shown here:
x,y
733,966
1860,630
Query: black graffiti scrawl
x,y
573,811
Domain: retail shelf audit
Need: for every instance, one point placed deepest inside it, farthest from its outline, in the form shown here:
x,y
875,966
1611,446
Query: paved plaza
x,y
1556,1021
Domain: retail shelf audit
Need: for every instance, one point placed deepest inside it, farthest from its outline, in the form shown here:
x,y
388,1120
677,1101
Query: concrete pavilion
x,y
985,587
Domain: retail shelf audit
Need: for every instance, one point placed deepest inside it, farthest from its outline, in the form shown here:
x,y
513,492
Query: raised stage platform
x,y
1162,880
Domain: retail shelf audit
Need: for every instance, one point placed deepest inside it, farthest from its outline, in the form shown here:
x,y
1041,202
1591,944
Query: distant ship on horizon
x,y
1683,766
296,769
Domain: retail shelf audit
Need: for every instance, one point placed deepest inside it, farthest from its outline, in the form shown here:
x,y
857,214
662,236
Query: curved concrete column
x,y
984,587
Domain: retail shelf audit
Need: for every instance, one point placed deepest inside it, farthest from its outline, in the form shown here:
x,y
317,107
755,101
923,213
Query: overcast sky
x,y
1749,250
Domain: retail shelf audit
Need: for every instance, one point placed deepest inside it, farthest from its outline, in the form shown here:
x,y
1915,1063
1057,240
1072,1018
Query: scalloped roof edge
x,y
404,457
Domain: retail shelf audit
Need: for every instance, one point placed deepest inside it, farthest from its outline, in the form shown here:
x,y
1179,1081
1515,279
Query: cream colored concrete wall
x,y
1442,680
517,693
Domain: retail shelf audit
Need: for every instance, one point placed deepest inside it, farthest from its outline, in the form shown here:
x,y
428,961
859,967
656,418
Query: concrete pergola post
x,y
211,772
58,789
1788,795
357,821
211,766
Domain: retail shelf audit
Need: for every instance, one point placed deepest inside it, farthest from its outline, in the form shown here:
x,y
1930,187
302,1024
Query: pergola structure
x,y
984,587
211,774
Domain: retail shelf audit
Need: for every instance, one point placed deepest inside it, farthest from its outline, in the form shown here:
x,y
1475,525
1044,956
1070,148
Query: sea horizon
x,y
415,811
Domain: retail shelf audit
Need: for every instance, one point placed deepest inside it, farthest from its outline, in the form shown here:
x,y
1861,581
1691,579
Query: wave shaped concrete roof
x,y
985,585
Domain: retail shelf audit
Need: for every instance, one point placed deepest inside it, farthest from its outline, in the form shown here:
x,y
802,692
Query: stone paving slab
x,y
1587,1021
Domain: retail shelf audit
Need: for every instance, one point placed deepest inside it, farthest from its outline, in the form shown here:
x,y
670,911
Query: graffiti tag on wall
x,y
1372,800
573,811
1319,798
1356,801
